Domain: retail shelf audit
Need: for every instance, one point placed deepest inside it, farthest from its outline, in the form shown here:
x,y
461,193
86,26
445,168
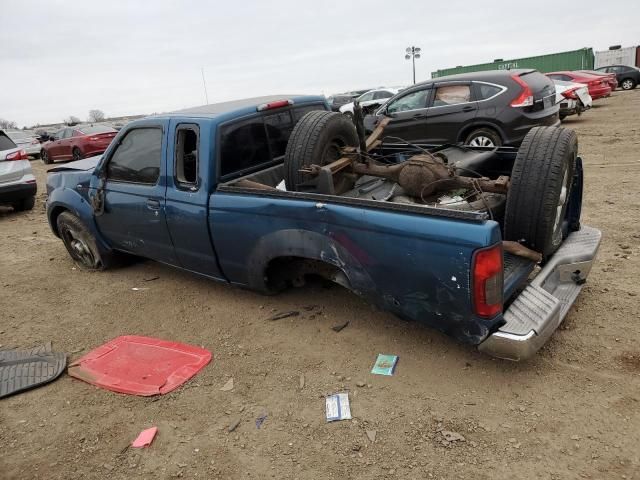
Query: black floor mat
x,y
24,369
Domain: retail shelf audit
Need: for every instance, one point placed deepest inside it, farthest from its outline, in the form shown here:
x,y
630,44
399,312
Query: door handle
x,y
419,115
153,204
468,109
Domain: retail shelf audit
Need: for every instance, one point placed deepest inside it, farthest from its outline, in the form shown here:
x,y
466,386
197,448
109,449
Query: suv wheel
x,y
45,157
483,137
628,84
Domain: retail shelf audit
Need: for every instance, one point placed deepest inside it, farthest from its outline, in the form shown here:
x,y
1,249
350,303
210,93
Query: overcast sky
x,y
61,58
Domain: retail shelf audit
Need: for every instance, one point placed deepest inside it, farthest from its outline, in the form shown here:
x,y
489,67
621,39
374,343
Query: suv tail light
x,y
525,99
571,93
486,276
19,155
276,104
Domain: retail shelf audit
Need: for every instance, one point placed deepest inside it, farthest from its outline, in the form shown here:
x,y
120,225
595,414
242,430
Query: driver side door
x,y
408,117
133,190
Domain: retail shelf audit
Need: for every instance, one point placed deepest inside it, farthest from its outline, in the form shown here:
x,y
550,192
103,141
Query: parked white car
x,y
572,97
17,182
373,97
26,140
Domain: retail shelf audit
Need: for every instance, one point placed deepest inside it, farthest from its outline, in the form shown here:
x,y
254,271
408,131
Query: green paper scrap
x,y
385,364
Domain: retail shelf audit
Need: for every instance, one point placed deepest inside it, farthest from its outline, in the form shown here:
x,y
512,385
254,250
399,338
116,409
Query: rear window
x,y
256,142
96,129
540,84
5,142
486,91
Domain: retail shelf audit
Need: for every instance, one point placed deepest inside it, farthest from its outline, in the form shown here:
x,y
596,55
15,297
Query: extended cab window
x,y
137,157
249,144
451,95
187,156
411,101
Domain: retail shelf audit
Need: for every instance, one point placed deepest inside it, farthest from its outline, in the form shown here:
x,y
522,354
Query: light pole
x,y
413,53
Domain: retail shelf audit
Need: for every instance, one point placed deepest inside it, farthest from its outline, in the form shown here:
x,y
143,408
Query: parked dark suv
x,y
491,108
628,77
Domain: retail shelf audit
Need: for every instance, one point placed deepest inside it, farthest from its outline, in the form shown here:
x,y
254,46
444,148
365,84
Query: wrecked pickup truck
x,y
484,244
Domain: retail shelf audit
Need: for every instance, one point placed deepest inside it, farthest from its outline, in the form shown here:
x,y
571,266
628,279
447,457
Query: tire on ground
x,y
540,189
25,204
484,132
81,244
316,140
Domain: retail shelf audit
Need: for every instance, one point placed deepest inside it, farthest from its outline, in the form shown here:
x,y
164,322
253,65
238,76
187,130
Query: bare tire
x,y
483,137
80,243
25,204
316,140
45,157
540,189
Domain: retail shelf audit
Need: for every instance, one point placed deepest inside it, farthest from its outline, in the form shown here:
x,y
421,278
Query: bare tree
x,y
72,120
7,123
96,115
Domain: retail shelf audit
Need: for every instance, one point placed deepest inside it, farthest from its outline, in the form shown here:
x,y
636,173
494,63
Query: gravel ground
x,y
571,412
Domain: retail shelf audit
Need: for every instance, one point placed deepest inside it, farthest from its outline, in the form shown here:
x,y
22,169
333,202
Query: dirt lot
x,y
571,412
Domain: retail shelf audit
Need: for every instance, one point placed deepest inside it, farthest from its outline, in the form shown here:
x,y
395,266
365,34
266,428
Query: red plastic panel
x,y
140,365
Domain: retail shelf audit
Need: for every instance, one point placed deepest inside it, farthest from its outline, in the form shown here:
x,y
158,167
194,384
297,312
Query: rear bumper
x,y
17,191
541,307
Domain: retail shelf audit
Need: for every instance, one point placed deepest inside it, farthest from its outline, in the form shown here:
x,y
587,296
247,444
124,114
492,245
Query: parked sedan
x,y
17,182
77,142
340,99
26,140
598,86
371,98
573,98
491,108
611,77
628,77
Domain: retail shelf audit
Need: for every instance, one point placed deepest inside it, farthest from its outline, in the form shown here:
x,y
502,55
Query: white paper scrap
x,y
338,407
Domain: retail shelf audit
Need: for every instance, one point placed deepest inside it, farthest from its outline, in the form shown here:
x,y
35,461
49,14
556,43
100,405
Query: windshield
x,y
97,129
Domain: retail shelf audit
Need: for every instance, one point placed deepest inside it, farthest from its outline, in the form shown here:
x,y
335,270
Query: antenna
x,y
206,95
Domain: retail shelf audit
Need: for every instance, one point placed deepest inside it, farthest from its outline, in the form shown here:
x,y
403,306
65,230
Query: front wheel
x,y
628,84
80,243
76,154
483,137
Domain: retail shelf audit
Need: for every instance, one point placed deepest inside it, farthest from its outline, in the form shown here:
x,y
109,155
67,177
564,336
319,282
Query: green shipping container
x,y
575,60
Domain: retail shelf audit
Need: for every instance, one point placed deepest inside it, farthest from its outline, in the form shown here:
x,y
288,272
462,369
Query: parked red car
x,y
611,77
77,142
598,86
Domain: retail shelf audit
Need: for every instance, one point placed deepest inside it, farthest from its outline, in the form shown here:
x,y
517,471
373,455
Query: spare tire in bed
x,y
316,140
540,188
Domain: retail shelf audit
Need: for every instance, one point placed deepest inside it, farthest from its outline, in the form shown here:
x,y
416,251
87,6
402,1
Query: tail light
x,y
594,83
19,155
487,274
276,104
525,99
571,93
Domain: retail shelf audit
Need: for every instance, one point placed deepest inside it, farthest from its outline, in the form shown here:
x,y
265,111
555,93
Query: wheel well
x,y
628,78
284,272
55,213
467,130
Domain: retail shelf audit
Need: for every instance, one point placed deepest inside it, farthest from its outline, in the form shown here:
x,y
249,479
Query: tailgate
x,y
12,170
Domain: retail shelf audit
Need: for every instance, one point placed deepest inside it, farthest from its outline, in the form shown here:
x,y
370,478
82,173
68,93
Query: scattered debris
x,y
452,436
385,364
150,279
310,308
281,315
361,384
139,289
337,407
233,425
371,435
302,381
140,365
145,438
260,420
340,327
227,387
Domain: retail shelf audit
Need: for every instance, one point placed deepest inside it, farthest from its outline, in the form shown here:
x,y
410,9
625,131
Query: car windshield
x,y
96,129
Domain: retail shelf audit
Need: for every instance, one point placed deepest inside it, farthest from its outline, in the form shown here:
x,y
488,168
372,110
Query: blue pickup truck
x,y
483,244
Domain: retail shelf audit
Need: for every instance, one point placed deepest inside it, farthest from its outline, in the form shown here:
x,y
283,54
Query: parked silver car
x,y
27,140
17,182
